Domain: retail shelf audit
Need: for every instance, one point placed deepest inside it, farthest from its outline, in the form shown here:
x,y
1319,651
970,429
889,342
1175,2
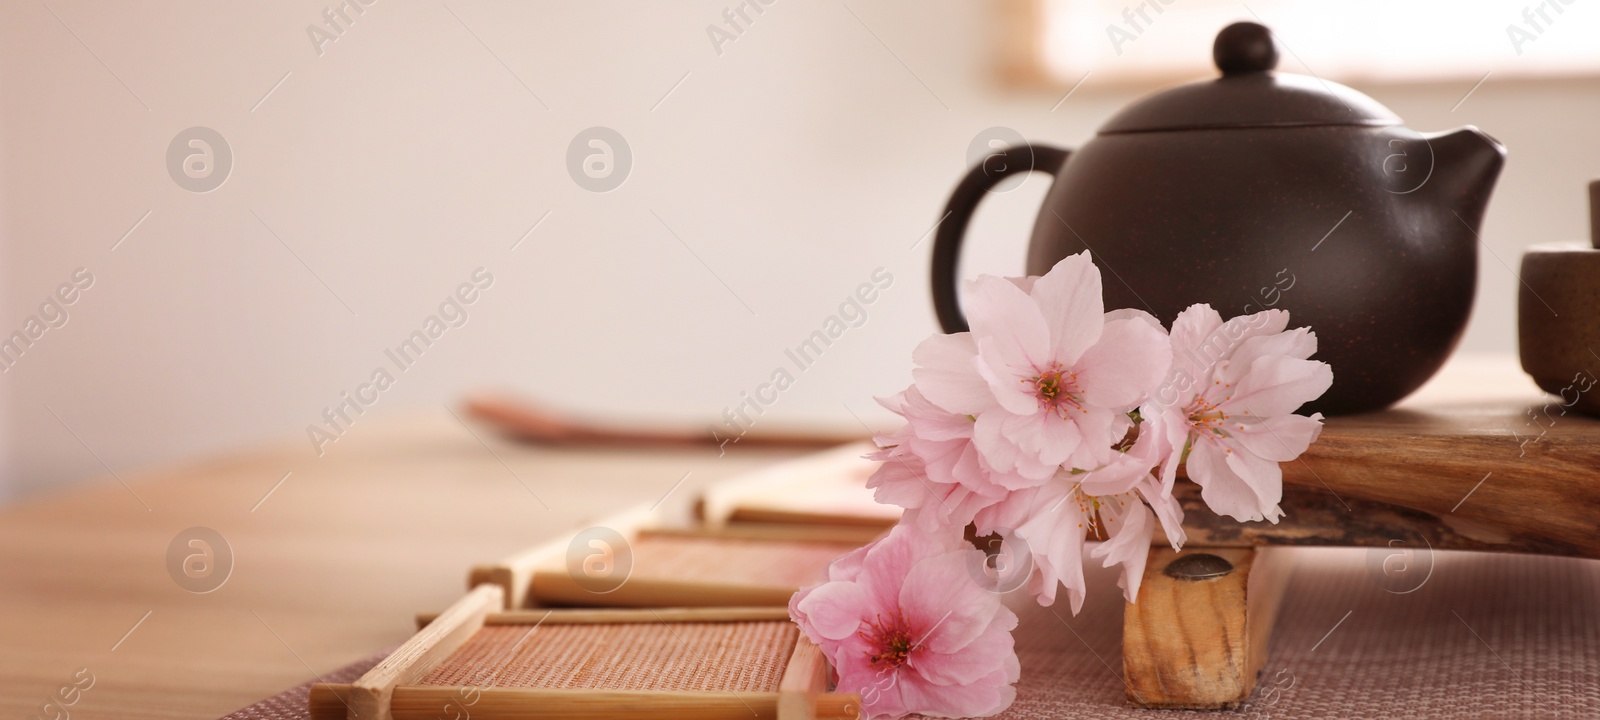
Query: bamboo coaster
x,y
630,561
826,488
669,664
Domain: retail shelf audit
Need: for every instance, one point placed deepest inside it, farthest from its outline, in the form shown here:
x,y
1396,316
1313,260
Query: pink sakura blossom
x,y
1052,522
1023,427
930,466
906,625
1046,375
1226,410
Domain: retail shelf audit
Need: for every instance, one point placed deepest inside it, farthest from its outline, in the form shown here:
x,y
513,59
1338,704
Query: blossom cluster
x,y
1051,424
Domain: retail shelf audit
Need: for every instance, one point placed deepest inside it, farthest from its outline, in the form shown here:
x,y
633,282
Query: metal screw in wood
x,y
1198,566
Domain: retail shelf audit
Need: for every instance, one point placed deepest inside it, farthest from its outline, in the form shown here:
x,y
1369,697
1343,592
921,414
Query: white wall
x,y
793,164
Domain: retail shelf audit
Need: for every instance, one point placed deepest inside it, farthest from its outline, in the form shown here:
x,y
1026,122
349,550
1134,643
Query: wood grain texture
x,y
559,588
1315,516
370,695
330,701
316,584
1187,643
1506,475
603,616
728,566
1270,571
429,703
876,519
1406,474
327,702
821,533
826,488
515,573
529,421
805,678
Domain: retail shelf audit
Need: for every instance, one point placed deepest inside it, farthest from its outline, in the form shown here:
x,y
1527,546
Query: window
x,y
1146,41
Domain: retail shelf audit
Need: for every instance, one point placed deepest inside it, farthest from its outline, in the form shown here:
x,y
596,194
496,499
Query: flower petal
x,y
1002,314
1167,509
1164,432
1116,477
1279,439
1134,314
1033,446
1246,498
1009,383
984,698
1233,344
1053,529
1069,296
993,649
943,601
833,610
1190,331
883,569
1278,385
1264,476
847,567
1130,525
1125,366
929,421
946,373
989,436
894,483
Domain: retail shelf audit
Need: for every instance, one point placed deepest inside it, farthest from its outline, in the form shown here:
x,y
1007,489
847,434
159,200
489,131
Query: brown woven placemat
x,y
1487,635
292,704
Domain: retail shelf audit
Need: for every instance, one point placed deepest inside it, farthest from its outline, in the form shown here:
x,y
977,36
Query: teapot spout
x,y
1467,162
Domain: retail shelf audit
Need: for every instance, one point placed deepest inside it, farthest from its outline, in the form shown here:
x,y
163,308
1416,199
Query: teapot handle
x,y
958,212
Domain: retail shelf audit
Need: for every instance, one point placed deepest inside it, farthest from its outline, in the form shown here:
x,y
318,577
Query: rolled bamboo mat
x,y
683,657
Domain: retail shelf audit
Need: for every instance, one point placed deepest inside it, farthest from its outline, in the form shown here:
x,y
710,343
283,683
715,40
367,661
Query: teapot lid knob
x,y
1244,47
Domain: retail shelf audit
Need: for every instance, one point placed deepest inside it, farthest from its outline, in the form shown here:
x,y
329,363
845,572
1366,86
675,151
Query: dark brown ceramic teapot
x,y
1262,190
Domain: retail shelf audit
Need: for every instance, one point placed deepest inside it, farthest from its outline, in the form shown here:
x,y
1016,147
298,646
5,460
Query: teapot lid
x,y
1250,95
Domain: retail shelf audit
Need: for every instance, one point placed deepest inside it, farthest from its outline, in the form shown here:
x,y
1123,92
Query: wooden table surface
x,y
331,565
328,568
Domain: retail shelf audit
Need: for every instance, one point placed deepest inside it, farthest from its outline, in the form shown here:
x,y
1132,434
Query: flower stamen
x,y
1056,389
890,642
1089,511
1207,418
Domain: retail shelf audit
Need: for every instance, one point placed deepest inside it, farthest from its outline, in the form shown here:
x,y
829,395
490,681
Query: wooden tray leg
x,y
1197,638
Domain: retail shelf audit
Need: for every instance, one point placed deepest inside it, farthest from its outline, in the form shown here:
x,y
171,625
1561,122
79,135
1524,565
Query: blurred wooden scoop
x,y
527,420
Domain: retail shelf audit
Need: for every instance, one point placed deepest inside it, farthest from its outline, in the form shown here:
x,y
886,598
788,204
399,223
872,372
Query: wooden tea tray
x,y
671,664
1504,476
